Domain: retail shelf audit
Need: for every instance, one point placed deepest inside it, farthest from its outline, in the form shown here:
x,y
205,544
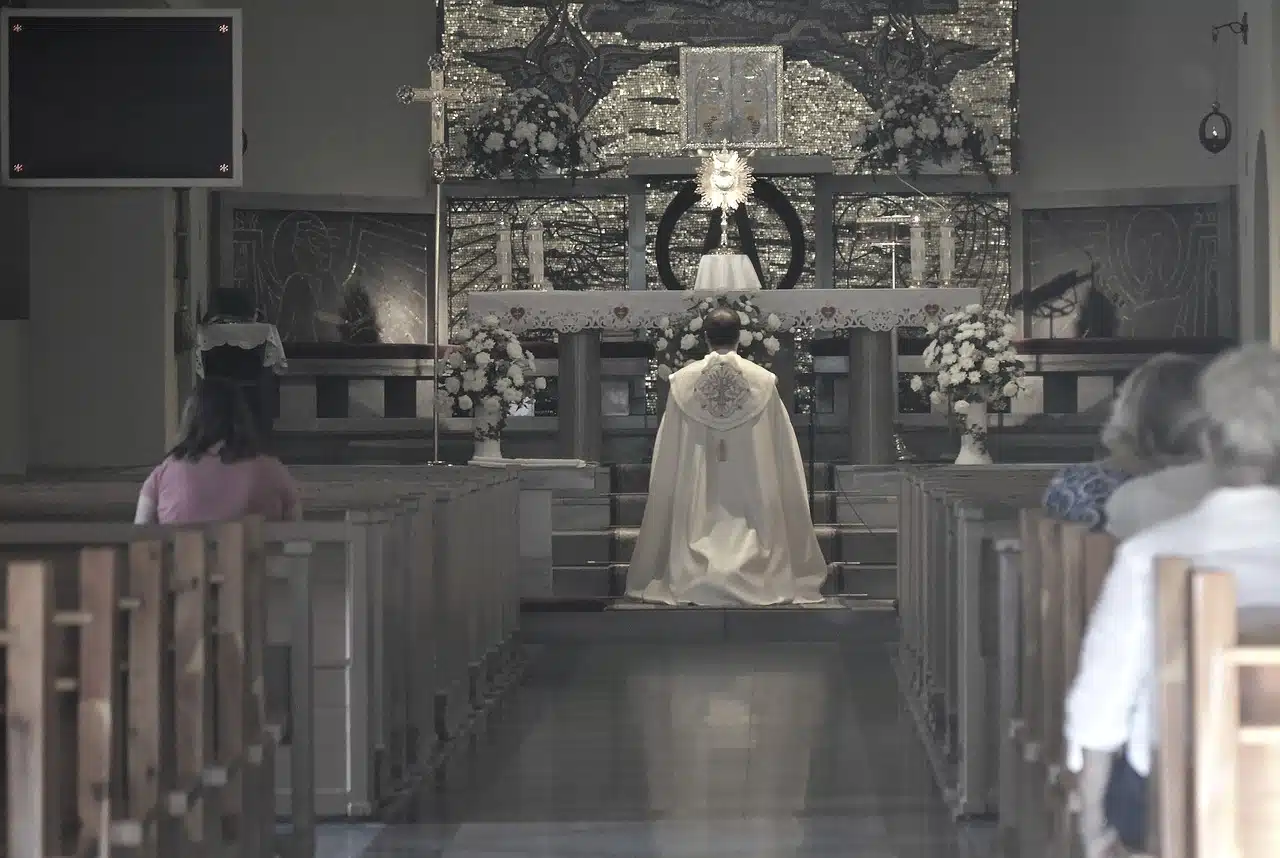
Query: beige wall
x,y
1256,120
1111,93
103,381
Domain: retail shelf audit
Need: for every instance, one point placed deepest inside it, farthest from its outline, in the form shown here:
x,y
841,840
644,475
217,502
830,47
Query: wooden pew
x,y
1050,579
170,755
950,519
430,624
1217,772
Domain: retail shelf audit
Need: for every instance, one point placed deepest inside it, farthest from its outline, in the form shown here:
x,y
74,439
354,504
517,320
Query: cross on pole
x,y
439,97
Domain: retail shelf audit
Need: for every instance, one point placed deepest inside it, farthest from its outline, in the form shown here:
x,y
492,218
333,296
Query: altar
x,y
869,315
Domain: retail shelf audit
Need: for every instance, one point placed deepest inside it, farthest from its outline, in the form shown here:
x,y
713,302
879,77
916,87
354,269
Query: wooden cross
x,y
438,96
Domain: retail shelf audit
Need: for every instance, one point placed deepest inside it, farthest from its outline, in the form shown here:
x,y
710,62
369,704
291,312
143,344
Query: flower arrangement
x,y
525,134
972,352
920,126
679,342
486,375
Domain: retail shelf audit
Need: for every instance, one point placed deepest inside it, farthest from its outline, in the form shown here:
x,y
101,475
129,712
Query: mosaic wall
x,y
585,245
302,265
773,244
617,61
873,240
1128,271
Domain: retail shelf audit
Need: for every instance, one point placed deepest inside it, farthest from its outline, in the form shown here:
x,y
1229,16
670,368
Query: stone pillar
x,y
581,429
871,397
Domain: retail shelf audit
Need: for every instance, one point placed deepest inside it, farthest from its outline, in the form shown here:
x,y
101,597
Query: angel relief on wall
x,y
563,63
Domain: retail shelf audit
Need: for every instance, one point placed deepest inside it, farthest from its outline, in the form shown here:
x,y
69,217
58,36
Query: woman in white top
x,y
1109,729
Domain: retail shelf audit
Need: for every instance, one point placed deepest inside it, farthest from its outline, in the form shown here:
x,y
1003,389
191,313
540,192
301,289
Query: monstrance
x,y
725,181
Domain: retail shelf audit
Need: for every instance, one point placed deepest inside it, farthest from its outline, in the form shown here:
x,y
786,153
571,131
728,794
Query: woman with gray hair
x,y
1235,528
1154,424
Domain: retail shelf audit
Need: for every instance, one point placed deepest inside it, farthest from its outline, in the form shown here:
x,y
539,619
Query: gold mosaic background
x,y
642,113
585,245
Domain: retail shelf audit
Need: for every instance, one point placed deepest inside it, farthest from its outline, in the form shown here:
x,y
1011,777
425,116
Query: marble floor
x,y
712,751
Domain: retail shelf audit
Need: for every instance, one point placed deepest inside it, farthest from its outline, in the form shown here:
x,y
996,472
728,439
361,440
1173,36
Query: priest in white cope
x,y
727,521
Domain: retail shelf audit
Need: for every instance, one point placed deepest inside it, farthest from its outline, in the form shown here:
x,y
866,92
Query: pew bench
x,y
136,718
418,619
950,519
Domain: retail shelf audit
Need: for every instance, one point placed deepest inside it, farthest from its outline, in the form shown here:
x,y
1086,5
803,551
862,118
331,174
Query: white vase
x,y
488,448
973,438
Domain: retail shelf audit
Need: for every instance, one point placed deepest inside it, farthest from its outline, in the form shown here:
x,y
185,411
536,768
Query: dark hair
x,y
216,414
721,328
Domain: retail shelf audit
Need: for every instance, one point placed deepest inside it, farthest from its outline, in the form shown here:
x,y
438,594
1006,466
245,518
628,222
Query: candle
x,y
919,250
946,252
537,271
505,270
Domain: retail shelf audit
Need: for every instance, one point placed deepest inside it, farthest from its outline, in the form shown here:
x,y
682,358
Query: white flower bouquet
x,y
486,375
974,358
919,126
525,134
680,341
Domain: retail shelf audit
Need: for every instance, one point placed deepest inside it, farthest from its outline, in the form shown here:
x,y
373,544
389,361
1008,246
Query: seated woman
x,y
1236,528
1154,424
216,472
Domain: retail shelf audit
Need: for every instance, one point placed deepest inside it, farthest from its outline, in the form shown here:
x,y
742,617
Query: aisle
x,y
717,751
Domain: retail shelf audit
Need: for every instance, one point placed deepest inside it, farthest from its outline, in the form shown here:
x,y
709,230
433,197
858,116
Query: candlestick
x,y
946,252
537,268
919,250
506,273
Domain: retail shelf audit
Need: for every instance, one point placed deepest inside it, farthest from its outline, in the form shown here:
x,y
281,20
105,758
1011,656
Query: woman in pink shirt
x,y
215,473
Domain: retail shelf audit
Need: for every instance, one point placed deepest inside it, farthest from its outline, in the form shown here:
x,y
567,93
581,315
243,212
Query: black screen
x,y
121,98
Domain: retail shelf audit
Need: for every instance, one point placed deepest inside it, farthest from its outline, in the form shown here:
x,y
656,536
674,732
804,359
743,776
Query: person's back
x,y
190,491
215,472
1148,500
727,519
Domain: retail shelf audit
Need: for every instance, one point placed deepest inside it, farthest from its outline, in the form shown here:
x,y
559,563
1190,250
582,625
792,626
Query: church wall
x,y
319,97
1256,120
103,381
1111,93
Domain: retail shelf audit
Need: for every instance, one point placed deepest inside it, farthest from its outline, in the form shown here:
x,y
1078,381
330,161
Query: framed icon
x,y
732,96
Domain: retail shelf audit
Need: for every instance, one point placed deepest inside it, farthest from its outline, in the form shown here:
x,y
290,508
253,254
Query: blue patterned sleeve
x,y
1079,493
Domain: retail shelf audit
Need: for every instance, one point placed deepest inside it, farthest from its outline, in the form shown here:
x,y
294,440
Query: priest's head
x,y
721,327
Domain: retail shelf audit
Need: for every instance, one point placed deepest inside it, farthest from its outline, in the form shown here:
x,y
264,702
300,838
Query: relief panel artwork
x,y
303,266
618,61
1145,272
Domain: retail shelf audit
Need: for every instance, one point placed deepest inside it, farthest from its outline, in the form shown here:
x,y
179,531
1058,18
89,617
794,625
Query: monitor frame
x,y
234,180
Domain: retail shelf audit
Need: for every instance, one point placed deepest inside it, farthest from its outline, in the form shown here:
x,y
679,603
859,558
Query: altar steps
x,y
847,621
594,535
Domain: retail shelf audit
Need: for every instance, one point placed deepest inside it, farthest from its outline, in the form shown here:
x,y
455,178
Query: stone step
x,y
839,542
855,621
829,507
634,478
608,581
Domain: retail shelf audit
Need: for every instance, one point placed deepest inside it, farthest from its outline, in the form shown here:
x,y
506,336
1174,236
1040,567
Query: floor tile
x,y
689,751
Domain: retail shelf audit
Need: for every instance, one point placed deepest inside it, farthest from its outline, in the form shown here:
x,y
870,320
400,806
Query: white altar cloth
x,y
726,272
625,310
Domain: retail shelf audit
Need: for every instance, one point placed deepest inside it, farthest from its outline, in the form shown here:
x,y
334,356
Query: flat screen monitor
x,y
126,98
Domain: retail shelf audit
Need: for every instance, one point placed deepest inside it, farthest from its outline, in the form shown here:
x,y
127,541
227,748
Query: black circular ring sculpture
x,y
765,192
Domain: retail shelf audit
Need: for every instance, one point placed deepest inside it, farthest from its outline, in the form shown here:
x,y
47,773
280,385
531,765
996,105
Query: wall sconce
x,y
1240,28
1215,127
1215,130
